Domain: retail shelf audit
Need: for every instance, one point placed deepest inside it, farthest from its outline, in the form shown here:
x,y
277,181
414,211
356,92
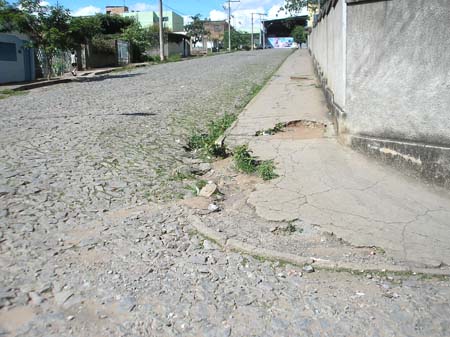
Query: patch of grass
x,y
243,159
266,170
277,128
8,93
291,228
245,162
180,176
197,186
174,58
206,142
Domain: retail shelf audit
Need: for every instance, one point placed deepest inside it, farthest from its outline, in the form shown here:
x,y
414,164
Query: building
x,y
176,44
117,10
171,20
16,60
216,29
277,32
146,19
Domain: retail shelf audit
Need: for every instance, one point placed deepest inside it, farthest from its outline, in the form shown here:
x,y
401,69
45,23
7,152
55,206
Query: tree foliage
x,y
114,24
46,26
196,29
296,6
299,34
52,29
240,40
83,29
141,38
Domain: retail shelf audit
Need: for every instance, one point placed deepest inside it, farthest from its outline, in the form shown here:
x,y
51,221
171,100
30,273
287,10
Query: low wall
x,y
386,72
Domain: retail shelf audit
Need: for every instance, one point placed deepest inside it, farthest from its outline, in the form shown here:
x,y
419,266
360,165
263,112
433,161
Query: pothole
x,y
301,129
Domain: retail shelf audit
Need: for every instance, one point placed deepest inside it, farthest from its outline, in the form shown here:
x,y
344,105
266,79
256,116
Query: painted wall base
x,y
424,161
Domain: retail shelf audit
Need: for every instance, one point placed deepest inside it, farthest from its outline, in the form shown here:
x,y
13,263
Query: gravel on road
x,y
75,261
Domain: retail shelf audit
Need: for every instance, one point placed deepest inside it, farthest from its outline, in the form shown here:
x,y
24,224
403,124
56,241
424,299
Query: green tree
x,y
295,6
45,25
196,29
240,40
299,34
83,29
113,24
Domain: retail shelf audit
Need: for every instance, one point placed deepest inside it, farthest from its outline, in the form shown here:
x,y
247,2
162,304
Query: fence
x,y
60,63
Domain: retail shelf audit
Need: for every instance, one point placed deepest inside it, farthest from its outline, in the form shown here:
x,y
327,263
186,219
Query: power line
x,y
161,36
175,10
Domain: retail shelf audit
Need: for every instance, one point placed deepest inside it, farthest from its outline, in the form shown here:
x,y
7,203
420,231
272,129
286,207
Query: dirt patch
x,y
14,319
302,130
196,203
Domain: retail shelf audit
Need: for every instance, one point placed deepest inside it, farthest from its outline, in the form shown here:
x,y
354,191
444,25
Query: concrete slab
x,y
327,184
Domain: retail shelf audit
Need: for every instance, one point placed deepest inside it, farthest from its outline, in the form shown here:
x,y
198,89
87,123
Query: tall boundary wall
x,y
385,70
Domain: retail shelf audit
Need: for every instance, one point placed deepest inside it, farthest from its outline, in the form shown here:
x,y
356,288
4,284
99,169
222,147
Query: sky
x,y
213,9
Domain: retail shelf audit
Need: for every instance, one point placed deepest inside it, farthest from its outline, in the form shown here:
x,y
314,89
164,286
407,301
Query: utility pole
x,y
161,36
253,39
261,21
229,22
253,42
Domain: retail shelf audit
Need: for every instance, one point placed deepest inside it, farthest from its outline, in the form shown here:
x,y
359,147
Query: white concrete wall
x,y
327,44
12,71
388,66
398,70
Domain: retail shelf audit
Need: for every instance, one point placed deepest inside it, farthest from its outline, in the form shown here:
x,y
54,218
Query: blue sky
x,y
207,8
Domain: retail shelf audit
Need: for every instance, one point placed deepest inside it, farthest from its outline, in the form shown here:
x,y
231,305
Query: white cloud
x,y
216,15
187,19
242,13
275,13
86,11
142,7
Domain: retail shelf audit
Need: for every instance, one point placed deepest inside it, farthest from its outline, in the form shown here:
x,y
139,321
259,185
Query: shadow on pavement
x,y
104,77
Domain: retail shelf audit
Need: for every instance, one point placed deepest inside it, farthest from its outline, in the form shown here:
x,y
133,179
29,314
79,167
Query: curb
x,y
273,255
48,83
41,84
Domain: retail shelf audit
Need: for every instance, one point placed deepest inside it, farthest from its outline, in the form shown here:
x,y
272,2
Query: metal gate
x,y
123,54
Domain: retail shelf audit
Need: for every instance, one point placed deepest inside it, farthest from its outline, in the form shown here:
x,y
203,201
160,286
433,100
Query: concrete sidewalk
x,y
327,184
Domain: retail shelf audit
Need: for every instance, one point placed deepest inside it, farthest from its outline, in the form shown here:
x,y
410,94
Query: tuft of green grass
x,y
245,162
266,170
197,186
243,159
174,58
206,142
8,93
277,128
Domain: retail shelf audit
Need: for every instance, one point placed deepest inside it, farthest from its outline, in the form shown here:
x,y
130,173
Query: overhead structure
x,y
282,28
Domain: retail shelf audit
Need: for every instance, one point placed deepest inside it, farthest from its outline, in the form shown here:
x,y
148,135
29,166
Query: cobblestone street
x,y
93,240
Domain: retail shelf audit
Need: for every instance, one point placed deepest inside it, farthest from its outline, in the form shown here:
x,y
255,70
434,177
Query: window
x,y
217,28
8,52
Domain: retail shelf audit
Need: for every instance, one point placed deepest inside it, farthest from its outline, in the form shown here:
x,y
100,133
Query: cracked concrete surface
x,y
327,184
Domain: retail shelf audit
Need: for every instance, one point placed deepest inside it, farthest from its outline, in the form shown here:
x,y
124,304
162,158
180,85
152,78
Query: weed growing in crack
x,y
246,163
266,170
243,160
197,186
206,142
277,128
